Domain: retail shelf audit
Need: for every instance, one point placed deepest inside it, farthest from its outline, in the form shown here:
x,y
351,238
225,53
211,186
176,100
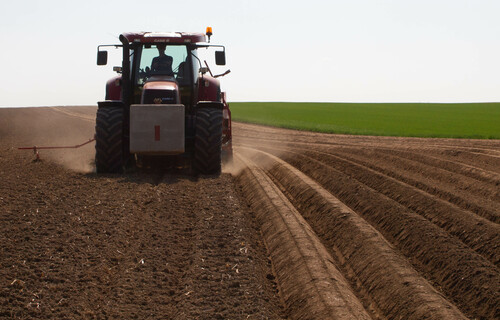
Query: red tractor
x,y
164,107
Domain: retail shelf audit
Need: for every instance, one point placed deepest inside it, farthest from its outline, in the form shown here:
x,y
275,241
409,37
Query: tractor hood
x,y
160,90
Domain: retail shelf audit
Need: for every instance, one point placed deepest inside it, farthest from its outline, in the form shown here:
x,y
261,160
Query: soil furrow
x,y
451,167
463,157
462,186
401,145
397,289
480,234
311,285
479,205
443,258
467,169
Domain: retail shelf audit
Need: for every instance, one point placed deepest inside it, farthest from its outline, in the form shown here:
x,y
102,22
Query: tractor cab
x,y
163,57
165,74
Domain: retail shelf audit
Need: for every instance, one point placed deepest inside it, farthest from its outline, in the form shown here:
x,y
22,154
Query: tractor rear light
x,y
225,114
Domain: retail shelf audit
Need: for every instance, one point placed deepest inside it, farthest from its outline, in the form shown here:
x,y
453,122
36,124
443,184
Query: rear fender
x,y
208,89
114,88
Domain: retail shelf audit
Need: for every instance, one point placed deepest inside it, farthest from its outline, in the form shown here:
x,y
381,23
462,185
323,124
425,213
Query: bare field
x,y
307,226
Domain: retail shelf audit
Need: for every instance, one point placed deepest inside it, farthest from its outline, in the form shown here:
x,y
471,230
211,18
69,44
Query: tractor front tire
x,y
109,140
208,141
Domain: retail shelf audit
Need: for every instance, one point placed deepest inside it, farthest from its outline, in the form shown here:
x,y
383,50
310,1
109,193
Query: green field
x,y
451,120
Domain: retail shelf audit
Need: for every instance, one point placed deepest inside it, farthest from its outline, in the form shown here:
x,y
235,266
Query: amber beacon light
x,y
209,33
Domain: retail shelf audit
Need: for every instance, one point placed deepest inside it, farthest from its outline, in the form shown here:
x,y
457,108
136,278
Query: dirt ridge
x,y
444,258
395,286
457,221
311,285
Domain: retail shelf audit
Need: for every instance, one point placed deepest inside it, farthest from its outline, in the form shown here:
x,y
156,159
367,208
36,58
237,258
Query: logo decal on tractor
x,y
157,101
157,133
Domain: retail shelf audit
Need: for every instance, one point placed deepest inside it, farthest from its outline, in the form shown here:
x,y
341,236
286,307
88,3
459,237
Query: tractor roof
x,y
166,37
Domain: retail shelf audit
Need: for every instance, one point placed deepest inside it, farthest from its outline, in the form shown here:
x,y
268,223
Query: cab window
x,y
164,60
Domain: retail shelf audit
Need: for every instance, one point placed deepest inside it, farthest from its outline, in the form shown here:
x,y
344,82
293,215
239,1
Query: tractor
x,y
165,106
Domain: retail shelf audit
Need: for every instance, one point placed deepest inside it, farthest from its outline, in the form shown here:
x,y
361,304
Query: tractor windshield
x,y
166,60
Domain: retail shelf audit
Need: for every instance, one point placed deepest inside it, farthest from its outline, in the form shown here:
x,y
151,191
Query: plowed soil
x,y
301,226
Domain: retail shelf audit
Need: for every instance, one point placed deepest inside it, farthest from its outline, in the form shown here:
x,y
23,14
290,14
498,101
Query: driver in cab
x,y
163,63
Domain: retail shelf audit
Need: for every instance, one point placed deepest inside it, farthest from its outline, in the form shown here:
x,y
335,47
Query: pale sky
x,y
324,51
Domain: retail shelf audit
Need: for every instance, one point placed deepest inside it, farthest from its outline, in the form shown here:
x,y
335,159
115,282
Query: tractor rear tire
x,y
109,140
208,141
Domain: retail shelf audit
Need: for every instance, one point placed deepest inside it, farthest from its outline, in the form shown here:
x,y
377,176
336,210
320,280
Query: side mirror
x,y
220,58
102,58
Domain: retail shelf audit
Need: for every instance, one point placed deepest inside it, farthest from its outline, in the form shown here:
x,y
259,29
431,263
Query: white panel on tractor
x,y
157,129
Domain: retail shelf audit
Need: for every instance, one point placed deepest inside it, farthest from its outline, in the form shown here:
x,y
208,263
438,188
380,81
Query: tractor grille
x,y
159,97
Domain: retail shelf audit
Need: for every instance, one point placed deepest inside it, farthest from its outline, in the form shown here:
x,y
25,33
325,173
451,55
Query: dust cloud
x,y
51,127
79,161
253,150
